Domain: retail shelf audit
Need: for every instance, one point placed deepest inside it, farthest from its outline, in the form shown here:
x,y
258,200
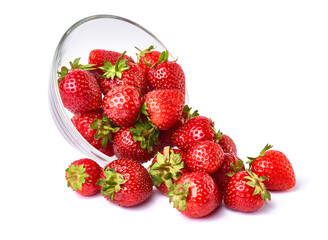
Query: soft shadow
x,y
148,202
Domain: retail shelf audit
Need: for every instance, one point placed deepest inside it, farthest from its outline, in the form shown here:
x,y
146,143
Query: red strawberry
x,y
163,107
99,56
246,192
195,194
165,74
125,182
276,166
123,73
231,165
206,156
147,57
122,105
138,142
82,176
165,137
196,129
79,89
167,167
96,129
226,143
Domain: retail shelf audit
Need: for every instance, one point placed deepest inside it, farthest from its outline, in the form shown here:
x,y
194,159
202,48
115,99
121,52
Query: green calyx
x,y
74,65
166,168
145,133
237,167
75,176
112,182
105,128
178,194
218,134
262,153
163,57
257,183
144,52
112,71
187,112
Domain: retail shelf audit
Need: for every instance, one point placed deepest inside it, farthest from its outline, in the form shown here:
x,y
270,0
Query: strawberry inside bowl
x,y
80,55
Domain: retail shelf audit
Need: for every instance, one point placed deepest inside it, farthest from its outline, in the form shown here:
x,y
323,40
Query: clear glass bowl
x,y
95,32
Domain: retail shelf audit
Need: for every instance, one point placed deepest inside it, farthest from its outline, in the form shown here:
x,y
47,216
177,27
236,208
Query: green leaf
x,y
144,52
145,133
75,176
112,182
105,128
262,153
178,194
256,183
144,109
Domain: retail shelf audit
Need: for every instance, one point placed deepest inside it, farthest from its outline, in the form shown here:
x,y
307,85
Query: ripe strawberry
x,y
147,57
226,143
276,166
163,107
82,176
78,88
99,56
125,182
195,194
138,142
123,73
246,192
165,136
231,165
165,74
196,129
206,156
122,105
96,129
167,167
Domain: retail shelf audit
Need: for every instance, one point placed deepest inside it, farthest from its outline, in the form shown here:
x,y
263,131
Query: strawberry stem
x,y
262,154
112,182
166,168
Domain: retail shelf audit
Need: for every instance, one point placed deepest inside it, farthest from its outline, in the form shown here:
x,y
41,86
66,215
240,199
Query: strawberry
x,y
195,194
206,156
96,129
147,57
197,129
276,166
123,73
122,105
125,182
226,143
167,167
82,176
246,192
166,74
139,142
163,107
231,165
78,88
165,136
97,57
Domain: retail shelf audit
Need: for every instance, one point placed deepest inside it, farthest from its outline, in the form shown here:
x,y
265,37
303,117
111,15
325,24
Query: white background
x,y
257,68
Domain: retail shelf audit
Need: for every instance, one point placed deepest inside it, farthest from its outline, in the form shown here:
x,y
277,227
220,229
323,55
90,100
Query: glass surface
x,y
94,32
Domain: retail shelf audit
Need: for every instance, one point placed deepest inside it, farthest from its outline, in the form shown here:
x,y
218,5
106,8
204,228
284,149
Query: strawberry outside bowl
x,y
95,32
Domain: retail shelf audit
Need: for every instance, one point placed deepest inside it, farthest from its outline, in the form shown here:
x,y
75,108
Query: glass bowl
x,y
95,32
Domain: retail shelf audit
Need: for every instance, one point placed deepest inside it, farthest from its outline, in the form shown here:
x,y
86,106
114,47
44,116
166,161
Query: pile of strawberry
x,y
136,112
